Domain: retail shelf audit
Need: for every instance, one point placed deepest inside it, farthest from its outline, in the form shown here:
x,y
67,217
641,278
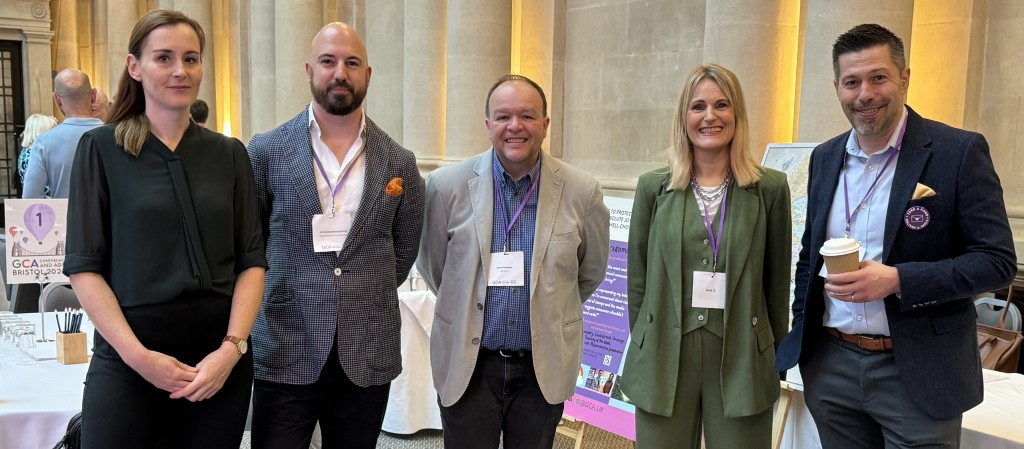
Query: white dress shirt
x,y
347,200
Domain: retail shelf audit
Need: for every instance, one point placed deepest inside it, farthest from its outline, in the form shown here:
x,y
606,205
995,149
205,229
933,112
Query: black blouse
x,y
127,222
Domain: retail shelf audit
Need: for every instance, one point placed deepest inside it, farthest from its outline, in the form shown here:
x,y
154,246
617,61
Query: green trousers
x,y
699,401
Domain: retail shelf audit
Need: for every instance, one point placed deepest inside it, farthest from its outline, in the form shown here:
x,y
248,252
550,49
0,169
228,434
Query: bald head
x,y
73,93
336,34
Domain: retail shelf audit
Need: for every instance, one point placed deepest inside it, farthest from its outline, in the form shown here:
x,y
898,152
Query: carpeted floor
x,y
593,438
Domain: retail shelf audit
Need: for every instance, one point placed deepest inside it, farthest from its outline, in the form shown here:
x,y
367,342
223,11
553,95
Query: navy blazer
x,y
966,249
315,300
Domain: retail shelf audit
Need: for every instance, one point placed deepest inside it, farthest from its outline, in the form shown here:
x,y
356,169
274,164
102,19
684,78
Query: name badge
x,y
329,233
506,270
708,291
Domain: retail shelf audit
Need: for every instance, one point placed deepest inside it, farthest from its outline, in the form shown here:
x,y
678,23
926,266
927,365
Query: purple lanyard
x,y
519,210
716,243
334,191
846,194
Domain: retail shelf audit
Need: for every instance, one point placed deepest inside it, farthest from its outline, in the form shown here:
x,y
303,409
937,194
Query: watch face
x,y
243,346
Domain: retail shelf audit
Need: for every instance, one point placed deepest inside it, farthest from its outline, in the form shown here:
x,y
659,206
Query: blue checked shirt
x,y
507,311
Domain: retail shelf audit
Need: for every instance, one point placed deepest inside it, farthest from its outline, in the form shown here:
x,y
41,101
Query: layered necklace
x,y
711,194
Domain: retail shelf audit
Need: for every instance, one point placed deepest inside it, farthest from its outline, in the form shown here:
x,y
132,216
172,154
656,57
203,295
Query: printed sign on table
x,y
599,400
36,234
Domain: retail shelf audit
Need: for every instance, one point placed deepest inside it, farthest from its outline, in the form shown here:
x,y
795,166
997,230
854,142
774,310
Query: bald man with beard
x,y
342,208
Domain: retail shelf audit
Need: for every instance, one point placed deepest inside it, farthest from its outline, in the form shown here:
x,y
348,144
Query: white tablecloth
x,y
412,405
36,401
998,423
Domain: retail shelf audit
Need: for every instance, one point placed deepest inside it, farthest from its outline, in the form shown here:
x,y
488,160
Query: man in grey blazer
x,y
888,352
514,242
342,210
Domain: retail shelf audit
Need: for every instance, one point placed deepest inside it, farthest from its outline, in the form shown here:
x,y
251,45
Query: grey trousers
x,y
858,400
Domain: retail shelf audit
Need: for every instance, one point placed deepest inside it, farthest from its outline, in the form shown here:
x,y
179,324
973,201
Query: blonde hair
x,y
35,125
129,110
680,156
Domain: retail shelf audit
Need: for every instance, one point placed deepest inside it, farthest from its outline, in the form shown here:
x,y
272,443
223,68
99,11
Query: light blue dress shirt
x,y
51,158
867,227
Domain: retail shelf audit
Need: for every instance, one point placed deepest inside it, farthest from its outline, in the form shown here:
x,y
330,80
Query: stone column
x,y
83,19
262,91
39,84
238,27
821,118
295,24
64,23
1002,97
479,50
201,11
384,37
943,60
539,34
763,57
121,18
624,65
101,55
423,124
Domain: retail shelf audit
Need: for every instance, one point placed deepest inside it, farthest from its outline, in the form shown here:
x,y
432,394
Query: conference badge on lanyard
x,y
508,268
709,286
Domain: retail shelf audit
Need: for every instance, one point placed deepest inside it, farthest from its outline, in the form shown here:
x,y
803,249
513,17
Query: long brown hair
x,y
680,156
129,110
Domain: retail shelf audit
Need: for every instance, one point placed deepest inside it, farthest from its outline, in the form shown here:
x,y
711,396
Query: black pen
x,y
55,318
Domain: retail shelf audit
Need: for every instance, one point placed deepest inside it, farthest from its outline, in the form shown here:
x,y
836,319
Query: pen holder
x,y
71,348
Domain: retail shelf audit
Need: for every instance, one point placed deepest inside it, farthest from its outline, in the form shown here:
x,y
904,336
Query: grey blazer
x,y
315,300
966,249
569,261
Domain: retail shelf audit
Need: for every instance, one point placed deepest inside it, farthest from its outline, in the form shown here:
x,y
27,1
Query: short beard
x,y
338,104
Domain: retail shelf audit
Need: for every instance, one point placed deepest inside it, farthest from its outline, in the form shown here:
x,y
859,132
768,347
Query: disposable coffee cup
x,y
841,255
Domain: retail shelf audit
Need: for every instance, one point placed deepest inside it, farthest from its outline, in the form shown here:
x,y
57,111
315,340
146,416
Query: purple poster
x,y
599,400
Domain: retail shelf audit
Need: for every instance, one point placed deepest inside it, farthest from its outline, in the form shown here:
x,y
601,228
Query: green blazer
x,y
758,255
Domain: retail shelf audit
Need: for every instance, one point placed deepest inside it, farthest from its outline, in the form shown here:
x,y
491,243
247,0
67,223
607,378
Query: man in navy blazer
x,y
888,352
342,209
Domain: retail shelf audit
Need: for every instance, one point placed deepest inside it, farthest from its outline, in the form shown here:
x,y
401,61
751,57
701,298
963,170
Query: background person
x,y
100,105
712,220
199,112
35,125
51,154
170,368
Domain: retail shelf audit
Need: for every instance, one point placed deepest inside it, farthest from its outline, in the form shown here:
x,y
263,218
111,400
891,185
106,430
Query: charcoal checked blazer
x,y
315,300
966,249
570,256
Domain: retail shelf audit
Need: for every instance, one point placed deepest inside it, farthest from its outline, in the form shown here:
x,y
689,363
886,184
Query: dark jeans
x,y
502,400
120,409
858,400
350,416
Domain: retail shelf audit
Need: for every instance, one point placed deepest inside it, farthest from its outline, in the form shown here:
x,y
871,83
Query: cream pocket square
x,y
922,191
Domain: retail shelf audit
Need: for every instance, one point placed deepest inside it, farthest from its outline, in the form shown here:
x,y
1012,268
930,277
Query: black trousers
x,y
502,400
350,416
120,409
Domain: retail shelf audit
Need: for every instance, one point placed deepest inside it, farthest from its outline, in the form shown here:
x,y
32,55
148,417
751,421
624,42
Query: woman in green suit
x,y
709,256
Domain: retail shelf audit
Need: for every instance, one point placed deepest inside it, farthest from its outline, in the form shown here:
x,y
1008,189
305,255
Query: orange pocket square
x,y
394,187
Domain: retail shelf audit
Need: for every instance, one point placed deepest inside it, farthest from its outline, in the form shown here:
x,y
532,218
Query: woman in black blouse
x,y
166,255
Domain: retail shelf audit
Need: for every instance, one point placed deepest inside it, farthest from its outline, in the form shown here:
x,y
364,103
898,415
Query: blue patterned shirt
x,y
507,309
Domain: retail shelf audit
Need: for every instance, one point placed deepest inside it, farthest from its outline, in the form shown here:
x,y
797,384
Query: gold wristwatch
x,y
241,345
